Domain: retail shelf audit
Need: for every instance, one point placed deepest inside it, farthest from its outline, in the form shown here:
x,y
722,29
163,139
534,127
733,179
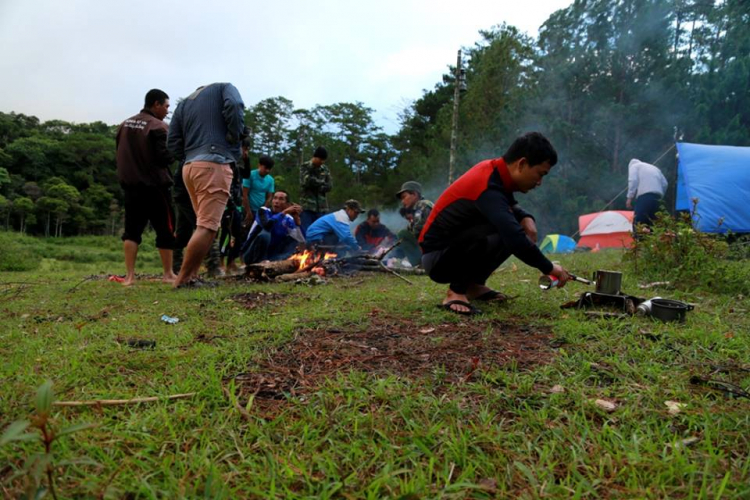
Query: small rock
x,y
426,330
557,389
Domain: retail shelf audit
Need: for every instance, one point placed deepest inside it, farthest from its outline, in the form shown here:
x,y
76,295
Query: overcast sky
x,y
88,60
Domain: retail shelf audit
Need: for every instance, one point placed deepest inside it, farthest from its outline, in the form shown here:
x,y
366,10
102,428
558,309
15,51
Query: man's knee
x,y
137,239
257,249
166,241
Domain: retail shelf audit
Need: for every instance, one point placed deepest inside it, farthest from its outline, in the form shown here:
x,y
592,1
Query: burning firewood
x,y
293,276
267,271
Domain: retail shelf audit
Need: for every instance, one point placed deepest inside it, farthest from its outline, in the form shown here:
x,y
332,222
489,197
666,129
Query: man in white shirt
x,y
647,185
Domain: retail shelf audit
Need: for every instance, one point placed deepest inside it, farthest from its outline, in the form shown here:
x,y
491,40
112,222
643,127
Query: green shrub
x,y
18,252
672,250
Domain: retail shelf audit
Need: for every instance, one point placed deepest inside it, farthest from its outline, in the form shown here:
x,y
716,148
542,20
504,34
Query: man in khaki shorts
x,y
205,133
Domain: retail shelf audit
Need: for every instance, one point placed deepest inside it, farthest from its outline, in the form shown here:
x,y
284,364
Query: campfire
x,y
309,259
320,261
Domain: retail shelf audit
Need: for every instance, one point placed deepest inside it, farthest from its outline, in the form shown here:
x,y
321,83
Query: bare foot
x,y
128,281
451,295
169,278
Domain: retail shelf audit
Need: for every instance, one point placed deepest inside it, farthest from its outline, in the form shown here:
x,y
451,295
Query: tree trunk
x,y
46,227
618,135
616,152
690,44
678,14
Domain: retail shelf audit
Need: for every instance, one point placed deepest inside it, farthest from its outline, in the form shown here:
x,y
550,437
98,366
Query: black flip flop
x,y
493,296
471,312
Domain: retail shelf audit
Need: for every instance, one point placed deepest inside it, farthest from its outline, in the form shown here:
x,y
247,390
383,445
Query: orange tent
x,y
610,229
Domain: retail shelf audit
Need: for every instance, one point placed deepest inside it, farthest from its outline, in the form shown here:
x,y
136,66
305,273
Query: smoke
x,y
389,218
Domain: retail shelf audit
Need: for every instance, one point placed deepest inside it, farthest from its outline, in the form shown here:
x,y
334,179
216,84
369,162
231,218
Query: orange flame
x,y
305,258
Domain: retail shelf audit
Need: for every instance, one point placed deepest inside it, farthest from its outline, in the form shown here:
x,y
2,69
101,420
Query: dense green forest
x,y
606,80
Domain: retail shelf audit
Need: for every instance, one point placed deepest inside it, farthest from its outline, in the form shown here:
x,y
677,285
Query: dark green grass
x,y
503,434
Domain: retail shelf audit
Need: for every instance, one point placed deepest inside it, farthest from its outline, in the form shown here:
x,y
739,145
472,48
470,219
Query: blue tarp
x,y
719,178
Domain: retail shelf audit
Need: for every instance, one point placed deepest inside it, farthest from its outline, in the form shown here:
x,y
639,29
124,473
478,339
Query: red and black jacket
x,y
483,195
369,237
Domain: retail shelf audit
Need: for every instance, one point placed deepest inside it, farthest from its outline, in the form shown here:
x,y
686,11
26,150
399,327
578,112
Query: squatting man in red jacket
x,y
476,224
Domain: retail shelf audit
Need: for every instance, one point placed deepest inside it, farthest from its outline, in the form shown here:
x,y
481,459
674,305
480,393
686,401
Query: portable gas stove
x,y
621,301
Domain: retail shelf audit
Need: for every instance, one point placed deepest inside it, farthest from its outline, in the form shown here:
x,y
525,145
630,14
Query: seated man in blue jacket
x,y
275,233
335,228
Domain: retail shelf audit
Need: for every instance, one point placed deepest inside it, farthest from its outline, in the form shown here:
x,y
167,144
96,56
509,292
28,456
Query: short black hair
x,y
373,212
153,96
268,162
287,195
534,147
320,152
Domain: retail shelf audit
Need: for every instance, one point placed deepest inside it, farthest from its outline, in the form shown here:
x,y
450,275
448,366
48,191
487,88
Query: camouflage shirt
x,y
314,183
421,211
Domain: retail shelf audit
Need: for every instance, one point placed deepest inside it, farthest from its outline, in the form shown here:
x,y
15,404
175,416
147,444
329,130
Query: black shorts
x,y
144,204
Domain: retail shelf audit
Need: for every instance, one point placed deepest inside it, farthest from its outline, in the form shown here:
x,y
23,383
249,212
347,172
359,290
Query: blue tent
x,y
719,178
557,243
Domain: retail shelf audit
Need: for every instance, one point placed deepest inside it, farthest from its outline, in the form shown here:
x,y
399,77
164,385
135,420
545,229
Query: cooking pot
x,y
669,310
608,282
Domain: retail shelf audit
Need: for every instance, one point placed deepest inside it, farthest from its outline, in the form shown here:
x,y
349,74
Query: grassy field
x,y
502,423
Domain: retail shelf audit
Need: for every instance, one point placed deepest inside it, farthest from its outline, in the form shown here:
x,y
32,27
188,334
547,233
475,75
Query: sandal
x,y
471,312
492,296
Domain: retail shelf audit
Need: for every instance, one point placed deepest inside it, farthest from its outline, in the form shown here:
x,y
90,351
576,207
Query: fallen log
x,y
293,276
269,270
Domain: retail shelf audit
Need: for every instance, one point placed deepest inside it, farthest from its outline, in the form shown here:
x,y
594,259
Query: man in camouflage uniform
x,y
416,211
315,182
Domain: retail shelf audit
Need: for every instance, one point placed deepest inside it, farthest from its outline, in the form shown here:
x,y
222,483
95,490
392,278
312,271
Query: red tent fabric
x,y
610,229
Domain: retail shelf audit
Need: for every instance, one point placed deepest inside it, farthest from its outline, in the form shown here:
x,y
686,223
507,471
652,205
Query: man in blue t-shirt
x,y
275,233
258,189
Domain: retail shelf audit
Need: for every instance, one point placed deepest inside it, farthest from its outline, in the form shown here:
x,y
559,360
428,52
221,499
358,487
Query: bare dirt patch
x,y
253,300
394,346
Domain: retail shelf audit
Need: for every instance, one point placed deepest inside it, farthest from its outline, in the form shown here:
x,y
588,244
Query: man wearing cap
x,y
370,234
315,182
476,224
335,228
647,185
416,211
